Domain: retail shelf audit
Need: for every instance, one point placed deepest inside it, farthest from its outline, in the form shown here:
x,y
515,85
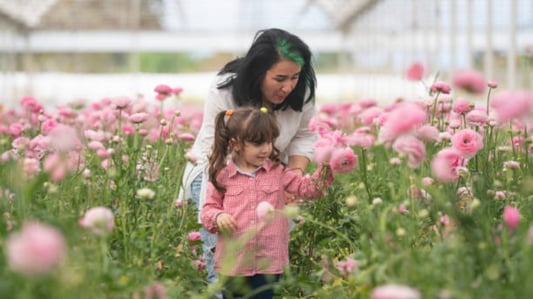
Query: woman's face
x,y
279,81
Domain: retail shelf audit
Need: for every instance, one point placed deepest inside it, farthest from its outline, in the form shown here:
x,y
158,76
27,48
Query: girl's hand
x,y
226,223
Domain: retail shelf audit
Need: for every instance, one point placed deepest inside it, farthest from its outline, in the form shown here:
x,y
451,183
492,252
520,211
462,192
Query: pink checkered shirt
x,y
257,246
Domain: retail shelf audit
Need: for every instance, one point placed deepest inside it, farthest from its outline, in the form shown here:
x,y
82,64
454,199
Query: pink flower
x,y
347,266
264,209
470,81
462,106
441,87
402,120
512,104
445,163
187,137
163,89
323,148
121,103
138,118
393,291
415,72
511,217
492,84
428,133
177,91
468,142
360,140
31,104
412,148
194,236
343,160
477,117
64,138
99,220
35,250
370,115
155,291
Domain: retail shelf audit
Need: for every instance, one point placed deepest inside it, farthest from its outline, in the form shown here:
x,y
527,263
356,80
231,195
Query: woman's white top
x,y
295,138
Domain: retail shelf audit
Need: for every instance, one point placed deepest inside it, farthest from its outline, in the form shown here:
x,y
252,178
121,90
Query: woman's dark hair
x,y
244,124
269,47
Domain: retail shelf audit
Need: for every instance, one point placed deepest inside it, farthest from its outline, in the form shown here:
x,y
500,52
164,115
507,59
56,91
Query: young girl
x,y
250,250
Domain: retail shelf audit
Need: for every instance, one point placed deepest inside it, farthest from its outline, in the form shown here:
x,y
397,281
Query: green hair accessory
x,y
264,109
285,49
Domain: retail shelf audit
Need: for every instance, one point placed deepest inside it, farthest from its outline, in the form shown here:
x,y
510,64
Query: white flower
x,y
145,193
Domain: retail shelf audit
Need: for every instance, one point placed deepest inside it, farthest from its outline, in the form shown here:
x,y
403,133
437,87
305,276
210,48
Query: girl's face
x,y
252,155
279,81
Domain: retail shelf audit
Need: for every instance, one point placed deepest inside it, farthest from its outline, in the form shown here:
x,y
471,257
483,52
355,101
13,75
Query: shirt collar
x,y
233,169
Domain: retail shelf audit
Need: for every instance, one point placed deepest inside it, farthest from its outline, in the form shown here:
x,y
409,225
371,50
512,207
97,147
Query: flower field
x,y
433,198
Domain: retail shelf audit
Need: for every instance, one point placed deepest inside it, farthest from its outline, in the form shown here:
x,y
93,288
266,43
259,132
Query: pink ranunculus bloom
x,y
187,137
394,291
138,118
441,87
264,209
100,220
511,217
512,104
64,138
415,72
462,106
177,91
428,133
347,266
30,167
121,103
402,120
56,166
343,160
468,142
47,126
155,291
477,117
194,236
360,140
163,89
470,81
370,115
323,149
35,250
492,84
31,104
445,163
128,130
411,147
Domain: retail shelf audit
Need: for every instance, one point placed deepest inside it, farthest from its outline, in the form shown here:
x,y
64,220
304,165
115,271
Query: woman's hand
x,y
226,223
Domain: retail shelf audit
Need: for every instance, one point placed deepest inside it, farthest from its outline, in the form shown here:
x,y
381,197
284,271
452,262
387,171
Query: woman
x,y
276,73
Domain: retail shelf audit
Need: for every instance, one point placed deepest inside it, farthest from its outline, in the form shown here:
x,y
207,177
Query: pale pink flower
x,y
402,209
470,81
368,116
427,181
121,103
415,72
35,250
512,104
360,140
395,161
177,91
155,291
347,266
138,118
511,165
30,167
31,104
462,106
47,126
411,147
187,137
492,84
64,138
499,195
100,220
468,142
194,236
402,120
394,291
440,87
20,143
343,160
56,166
323,148
477,117
264,209
511,216
428,133
444,220
445,163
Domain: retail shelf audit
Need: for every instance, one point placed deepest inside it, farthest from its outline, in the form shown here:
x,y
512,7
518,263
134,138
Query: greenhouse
x,y
266,149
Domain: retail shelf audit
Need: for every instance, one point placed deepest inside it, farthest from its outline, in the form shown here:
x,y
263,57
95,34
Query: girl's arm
x,y
211,209
308,186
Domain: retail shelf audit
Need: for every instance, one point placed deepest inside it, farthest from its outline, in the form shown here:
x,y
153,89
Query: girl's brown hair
x,y
244,124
